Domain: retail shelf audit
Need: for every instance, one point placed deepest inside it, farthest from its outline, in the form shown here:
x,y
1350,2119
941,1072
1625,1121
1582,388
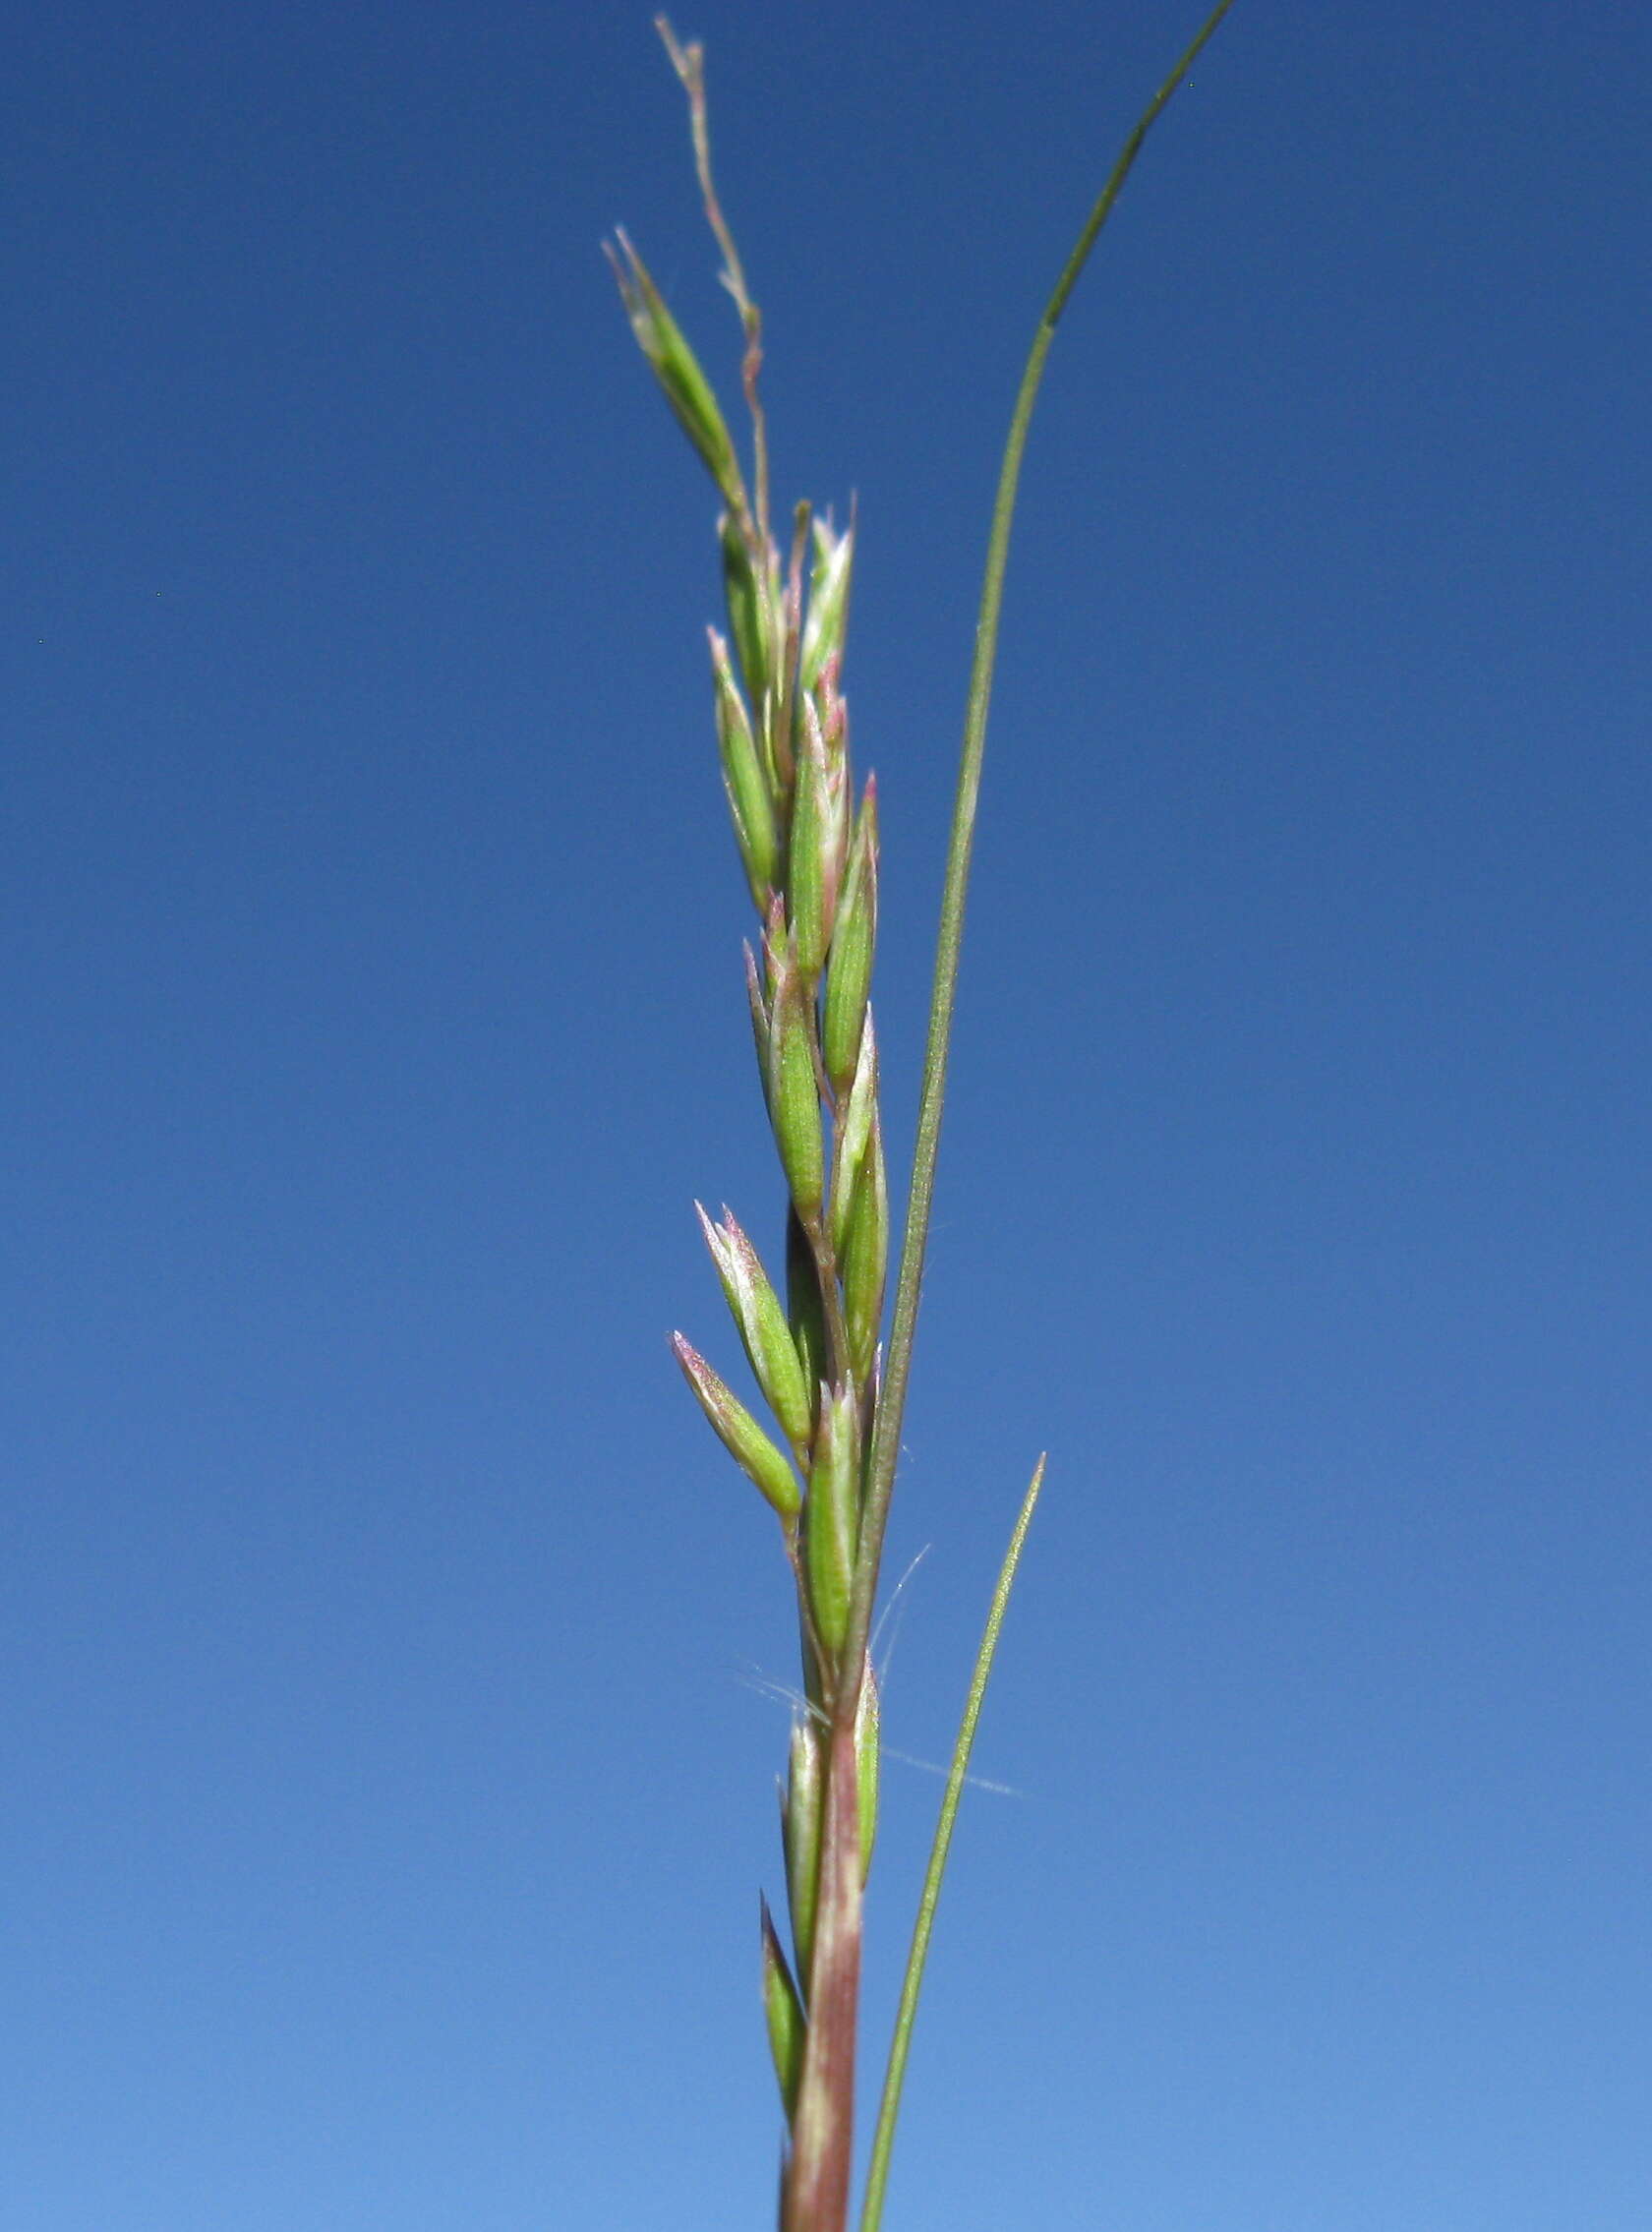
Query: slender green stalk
x,y
883,2137
886,1428
886,1433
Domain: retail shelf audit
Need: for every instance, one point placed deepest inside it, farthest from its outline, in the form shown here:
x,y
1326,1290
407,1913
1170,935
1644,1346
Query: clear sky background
x,y
387,1763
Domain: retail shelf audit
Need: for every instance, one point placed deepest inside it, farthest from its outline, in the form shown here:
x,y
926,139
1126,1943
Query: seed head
x,y
739,1433
784,2008
853,938
828,602
801,1820
761,1323
794,1097
865,1254
685,386
743,781
832,1514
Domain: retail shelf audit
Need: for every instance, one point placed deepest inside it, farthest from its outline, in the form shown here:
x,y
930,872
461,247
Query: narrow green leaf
x,y
883,2137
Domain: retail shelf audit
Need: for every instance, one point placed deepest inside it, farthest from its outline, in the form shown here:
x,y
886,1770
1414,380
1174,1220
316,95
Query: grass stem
x,y
886,1440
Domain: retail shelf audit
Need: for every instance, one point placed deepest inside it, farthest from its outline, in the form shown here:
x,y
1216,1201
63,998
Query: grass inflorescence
x,y
812,1328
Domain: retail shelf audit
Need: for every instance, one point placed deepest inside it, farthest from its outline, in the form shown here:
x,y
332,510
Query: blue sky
x,y
387,1761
